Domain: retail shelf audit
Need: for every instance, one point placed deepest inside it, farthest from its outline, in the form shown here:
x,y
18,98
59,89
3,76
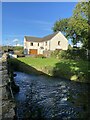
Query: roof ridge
x,y
32,36
45,38
52,34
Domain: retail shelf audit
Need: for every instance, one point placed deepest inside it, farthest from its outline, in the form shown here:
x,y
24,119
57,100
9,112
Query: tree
x,y
76,27
66,28
79,22
61,25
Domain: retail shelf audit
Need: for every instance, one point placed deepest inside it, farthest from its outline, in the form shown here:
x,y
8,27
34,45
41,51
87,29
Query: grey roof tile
x,y
37,39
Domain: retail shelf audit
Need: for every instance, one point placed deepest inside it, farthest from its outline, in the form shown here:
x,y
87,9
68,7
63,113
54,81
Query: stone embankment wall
x,y
7,103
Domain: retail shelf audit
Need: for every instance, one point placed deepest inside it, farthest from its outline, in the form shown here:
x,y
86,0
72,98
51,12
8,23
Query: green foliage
x,y
40,56
72,53
14,48
64,55
38,62
20,55
79,23
76,54
69,47
55,53
76,27
61,25
18,48
70,69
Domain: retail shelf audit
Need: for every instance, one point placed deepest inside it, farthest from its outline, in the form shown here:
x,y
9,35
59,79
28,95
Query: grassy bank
x,y
70,69
39,62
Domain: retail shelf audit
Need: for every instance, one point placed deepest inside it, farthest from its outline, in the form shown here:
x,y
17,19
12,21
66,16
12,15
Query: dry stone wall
x,y
7,103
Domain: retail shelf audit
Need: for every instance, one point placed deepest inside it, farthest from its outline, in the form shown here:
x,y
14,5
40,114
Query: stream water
x,y
45,98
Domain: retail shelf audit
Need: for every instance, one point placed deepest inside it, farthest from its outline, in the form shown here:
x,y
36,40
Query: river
x,y
46,98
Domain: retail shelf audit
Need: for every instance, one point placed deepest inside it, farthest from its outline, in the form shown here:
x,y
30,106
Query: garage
x,y
33,51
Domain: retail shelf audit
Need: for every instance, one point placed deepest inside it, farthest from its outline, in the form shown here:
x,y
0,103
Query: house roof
x,y
33,39
37,39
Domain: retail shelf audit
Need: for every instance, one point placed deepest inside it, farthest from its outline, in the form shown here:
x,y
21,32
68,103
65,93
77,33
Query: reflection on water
x,y
43,98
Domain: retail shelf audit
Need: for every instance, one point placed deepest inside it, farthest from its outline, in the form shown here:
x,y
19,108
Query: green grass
x,y
39,62
70,69
74,70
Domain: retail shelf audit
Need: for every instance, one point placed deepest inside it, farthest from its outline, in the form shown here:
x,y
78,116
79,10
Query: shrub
x,y
40,56
74,53
20,55
55,53
14,48
62,54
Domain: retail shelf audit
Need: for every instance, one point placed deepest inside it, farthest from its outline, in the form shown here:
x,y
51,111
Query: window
x,y
38,44
58,42
46,43
31,44
41,47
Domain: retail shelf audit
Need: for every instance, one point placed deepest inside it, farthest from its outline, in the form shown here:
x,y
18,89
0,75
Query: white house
x,y
35,45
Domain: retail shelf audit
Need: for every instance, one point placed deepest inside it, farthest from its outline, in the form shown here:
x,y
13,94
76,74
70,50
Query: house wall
x,y
41,44
47,47
27,46
63,42
51,44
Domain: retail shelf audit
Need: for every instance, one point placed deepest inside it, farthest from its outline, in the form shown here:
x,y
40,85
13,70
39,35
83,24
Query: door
x,y
33,51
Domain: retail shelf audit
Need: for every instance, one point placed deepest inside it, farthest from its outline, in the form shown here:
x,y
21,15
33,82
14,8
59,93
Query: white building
x,y
35,45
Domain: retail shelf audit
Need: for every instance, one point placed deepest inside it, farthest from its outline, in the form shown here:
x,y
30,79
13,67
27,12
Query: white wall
x,y
27,45
51,44
63,42
47,47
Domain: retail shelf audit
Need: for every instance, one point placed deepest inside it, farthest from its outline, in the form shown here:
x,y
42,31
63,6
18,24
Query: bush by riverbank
x,y
69,69
71,54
